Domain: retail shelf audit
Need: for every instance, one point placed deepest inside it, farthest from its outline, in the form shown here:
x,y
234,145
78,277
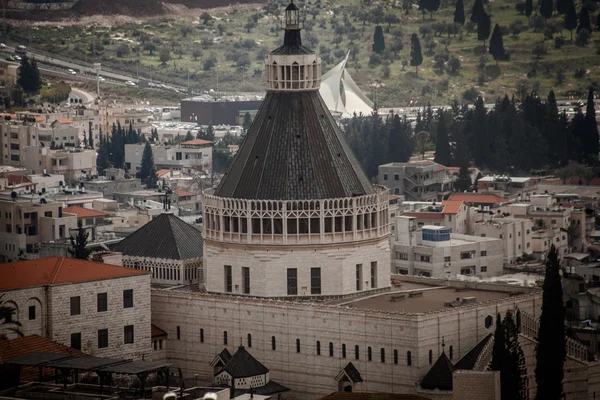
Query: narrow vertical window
x,y
128,298
315,281
369,354
430,357
246,279
201,335
343,351
273,343
292,281
178,333
330,349
396,357
225,338
228,279
318,348
451,352
297,345
408,358
249,340
382,355
356,352
358,277
374,274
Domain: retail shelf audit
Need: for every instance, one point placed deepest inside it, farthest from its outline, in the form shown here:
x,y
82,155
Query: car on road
x,y
21,49
17,58
101,79
73,72
2,46
10,58
130,83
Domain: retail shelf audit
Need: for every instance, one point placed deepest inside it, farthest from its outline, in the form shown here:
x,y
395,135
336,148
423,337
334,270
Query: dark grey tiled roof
x,y
292,44
468,360
440,375
243,365
166,236
352,373
294,150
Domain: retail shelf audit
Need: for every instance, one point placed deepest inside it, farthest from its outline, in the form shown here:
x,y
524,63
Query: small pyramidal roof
x,y
440,375
243,365
166,236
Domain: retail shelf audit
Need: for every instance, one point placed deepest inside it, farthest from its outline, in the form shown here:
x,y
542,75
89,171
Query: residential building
x,y
9,73
15,137
507,186
159,344
420,180
97,308
24,224
479,199
543,238
47,182
434,251
74,164
451,214
168,247
114,181
60,134
191,156
188,201
19,184
516,235
88,218
120,115
141,197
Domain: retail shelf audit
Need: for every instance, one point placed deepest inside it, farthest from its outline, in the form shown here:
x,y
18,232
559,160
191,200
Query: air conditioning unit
x,y
447,265
472,255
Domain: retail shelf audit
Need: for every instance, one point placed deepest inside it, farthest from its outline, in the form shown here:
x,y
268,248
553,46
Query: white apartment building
x,y
421,180
433,251
453,214
98,308
516,235
73,164
189,157
15,137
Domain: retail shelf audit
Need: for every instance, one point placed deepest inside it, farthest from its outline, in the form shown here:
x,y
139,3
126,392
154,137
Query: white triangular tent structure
x,y
341,94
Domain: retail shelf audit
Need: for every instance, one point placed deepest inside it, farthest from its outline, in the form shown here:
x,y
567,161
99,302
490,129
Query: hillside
x,y
194,44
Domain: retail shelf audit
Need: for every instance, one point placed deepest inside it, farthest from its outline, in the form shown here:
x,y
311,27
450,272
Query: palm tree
x,y
7,325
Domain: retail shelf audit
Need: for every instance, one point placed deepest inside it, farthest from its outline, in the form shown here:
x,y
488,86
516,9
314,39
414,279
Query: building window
x,y
425,258
128,298
31,312
318,348
401,256
343,350
315,281
484,269
75,305
297,345
430,357
396,357
225,338
102,302
76,341
249,340
382,355
201,335
451,351
447,259
273,343
292,281
408,358
396,177
128,334
228,279
102,338
489,321
484,253
358,277
465,271
369,354
330,349
374,274
385,177
465,254
246,279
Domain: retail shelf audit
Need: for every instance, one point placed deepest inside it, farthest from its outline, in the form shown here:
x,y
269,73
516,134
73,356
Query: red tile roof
x,y
393,197
84,212
197,142
451,206
64,120
440,168
156,331
183,193
478,198
58,270
17,179
162,172
14,348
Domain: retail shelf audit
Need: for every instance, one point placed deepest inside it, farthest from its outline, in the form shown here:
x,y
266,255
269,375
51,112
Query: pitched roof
x,y
440,375
156,331
223,357
84,212
196,142
351,372
58,270
469,360
243,365
292,44
294,150
372,396
166,236
63,120
162,172
451,206
478,198
183,193
17,180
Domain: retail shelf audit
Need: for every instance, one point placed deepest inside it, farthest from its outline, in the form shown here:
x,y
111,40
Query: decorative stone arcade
x,y
295,215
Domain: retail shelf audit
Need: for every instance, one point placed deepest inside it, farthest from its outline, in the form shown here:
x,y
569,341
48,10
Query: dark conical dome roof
x,y
294,150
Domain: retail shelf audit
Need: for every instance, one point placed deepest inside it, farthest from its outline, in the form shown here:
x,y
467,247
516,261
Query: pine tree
x,y
584,20
247,123
79,243
484,26
500,359
147,170
528,8
592,147
429,6
477,12
378,40
570,17
546,8
188,136
497,45
459,13
463,180
442,145
416,58
400,140
562,6
517,370
550,350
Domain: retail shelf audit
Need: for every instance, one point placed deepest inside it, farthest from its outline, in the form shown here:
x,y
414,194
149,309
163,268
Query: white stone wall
x,y
310,375
268,266
515,235
20,300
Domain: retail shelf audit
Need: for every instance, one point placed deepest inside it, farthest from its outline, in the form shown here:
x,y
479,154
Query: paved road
x,y
85,97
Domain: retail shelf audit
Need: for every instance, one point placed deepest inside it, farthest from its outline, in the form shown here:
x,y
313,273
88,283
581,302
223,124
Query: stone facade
x,y
168,272
53,319
288,336
486,382
516,235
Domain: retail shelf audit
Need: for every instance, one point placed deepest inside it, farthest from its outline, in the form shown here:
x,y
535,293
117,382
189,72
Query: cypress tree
x,y
79,242
378,40
550,351
497,45
592,148
598,22
517,370
416,58
570,17
484,26
584,20
147,170
247,123
400,145
477,11
442,145
459,13
547,8
102,159
562,6
500,359
528,8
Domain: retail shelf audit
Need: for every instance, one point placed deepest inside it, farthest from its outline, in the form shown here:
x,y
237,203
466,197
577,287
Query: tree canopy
x,y
378,40
484,26
497,45
147,169
416,57
29,76
477,11
459,12
79,242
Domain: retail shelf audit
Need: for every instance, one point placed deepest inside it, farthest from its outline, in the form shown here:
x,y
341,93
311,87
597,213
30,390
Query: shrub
x,y
559,42
454,64
539,49
123,50
386,71
582,38
374,59
579,73
470,94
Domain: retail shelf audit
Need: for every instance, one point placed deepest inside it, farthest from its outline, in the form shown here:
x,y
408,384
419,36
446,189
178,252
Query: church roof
x,y
469,360
440,375
243,365
351,372
292,45
166,236
294,150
